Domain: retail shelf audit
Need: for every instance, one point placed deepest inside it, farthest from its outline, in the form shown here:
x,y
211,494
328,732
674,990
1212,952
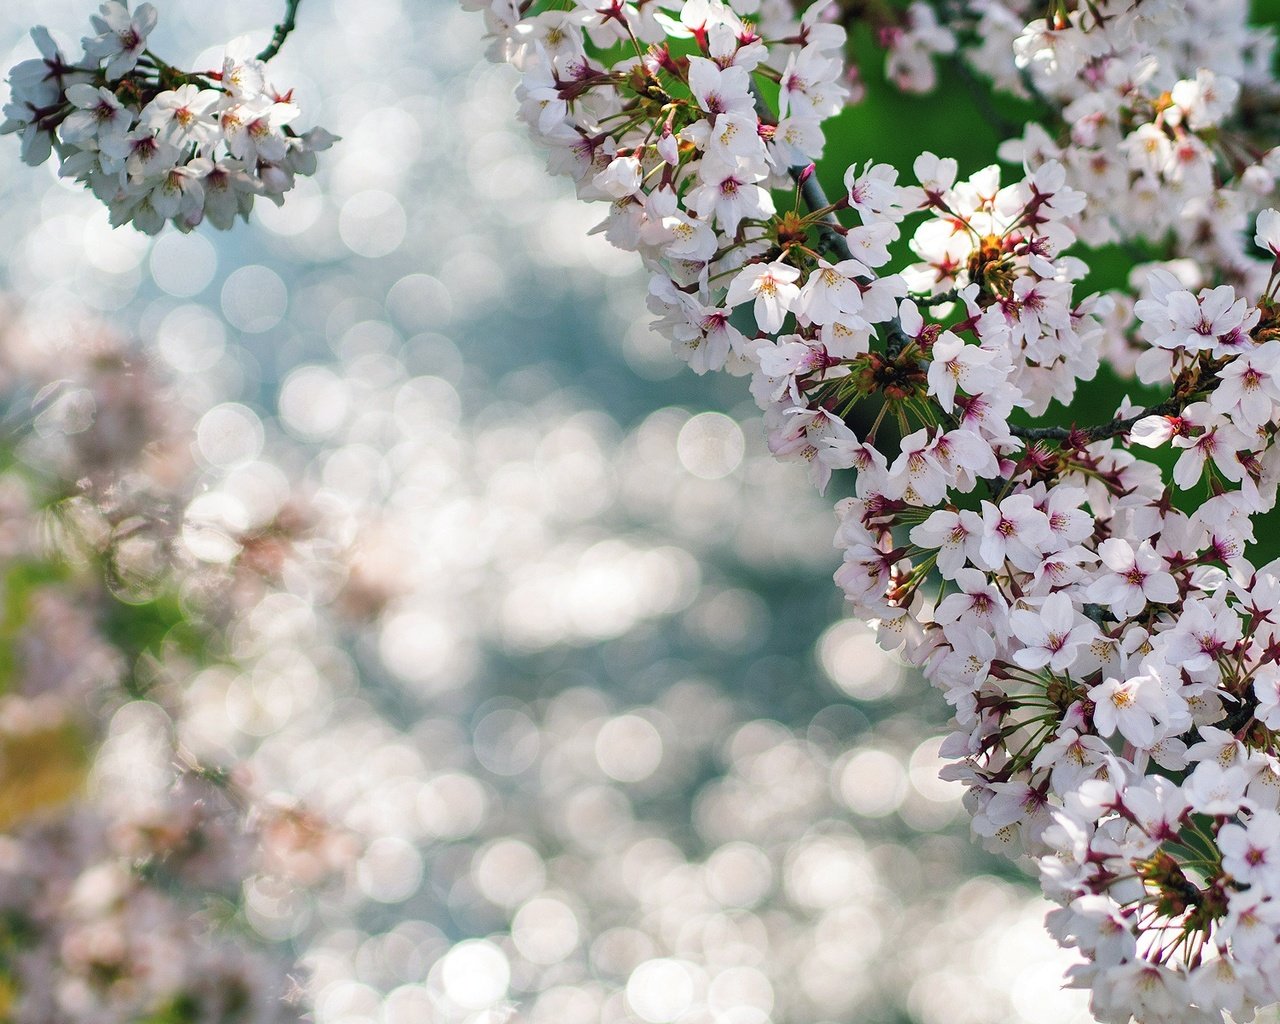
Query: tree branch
x,y
981,97
810,188
1081,436
816,199
282,31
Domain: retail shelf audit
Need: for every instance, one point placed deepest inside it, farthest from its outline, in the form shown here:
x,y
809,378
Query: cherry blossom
x,y
1134,578
772,289
1050,637
122,37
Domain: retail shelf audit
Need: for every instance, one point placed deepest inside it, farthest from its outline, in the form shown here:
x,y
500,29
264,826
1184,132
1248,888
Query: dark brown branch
x,y
816,199
1081,436
282,31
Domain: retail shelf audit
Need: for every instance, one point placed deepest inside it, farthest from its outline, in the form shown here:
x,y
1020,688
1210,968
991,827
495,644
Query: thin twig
x,y
282,31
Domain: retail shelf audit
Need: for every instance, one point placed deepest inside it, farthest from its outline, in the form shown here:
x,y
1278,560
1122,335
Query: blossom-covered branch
x,y
815,198
154,143
1112,659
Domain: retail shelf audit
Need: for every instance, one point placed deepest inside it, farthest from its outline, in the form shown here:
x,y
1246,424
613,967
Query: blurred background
x,y
548,638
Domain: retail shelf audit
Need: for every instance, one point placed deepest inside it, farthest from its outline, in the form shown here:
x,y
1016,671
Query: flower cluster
x,y
153,143
1111,653
1154,108
1157,115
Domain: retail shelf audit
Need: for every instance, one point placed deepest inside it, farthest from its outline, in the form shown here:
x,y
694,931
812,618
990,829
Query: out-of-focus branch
x,y
282,31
